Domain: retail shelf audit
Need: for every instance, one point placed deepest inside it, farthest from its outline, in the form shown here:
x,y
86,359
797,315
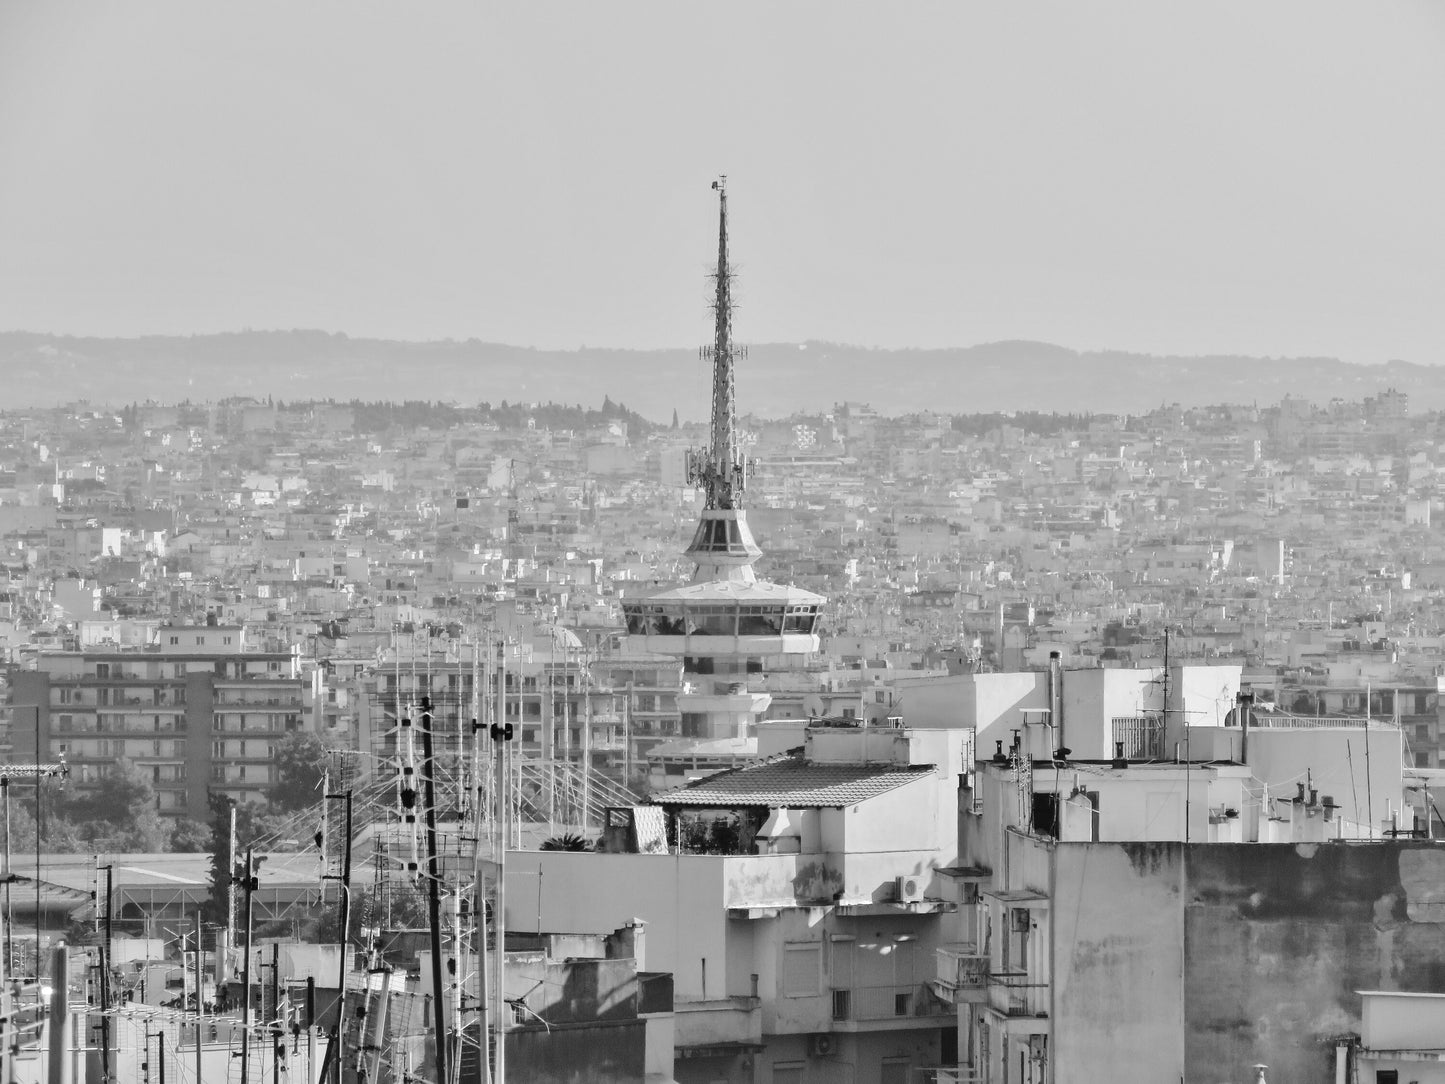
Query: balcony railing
x,y
960,968
946,1074
717,1020
1013,992
890,1002
1275,721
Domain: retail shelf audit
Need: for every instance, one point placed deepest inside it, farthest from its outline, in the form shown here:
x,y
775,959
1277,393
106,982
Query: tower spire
x,y
723,546
719,471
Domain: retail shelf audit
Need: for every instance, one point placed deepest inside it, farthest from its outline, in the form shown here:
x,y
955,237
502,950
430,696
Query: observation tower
x,y
726,623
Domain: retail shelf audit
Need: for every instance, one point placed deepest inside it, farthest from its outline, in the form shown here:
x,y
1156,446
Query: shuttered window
x,y
801,970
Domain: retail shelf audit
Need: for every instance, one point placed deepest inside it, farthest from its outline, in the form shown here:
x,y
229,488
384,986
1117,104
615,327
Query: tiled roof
x,y
793,782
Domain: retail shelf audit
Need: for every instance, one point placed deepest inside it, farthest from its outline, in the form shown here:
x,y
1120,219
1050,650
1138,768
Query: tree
x,y
188,836
118,813
568,841
256,824
301,761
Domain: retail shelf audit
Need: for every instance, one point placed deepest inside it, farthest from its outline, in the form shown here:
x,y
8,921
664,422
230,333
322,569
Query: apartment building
x,y
797,901
197,710
1144,920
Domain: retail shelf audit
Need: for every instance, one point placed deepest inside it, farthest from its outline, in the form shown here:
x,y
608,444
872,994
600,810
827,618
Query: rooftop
x,y
793,782
737,591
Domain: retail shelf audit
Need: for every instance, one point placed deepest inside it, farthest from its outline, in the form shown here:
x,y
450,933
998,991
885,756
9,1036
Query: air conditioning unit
x,y
909,889
822,1045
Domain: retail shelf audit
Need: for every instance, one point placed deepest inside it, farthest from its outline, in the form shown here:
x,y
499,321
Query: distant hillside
x,y
776,378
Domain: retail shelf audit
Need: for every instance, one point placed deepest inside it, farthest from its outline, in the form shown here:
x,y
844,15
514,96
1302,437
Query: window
x,y
788,1072
226,640
66,695
842,1004
175,640
66,722
801,970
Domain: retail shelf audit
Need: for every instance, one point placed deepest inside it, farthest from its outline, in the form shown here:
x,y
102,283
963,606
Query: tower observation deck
x,y
726,623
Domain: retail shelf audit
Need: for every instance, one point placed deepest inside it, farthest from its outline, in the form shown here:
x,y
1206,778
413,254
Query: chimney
x,y
1056,698
1119,759
1244,707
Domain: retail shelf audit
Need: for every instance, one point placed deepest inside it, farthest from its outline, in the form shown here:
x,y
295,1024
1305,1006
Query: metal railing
x,y
888,1002
1274,721
1012,992
1142,736
961,967
946,1074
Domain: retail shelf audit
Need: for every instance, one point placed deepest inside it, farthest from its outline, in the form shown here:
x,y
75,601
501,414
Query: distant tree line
x,y
1030,421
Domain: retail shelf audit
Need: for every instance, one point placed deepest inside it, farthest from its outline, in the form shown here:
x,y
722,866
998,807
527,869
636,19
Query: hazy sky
x,y
1255,177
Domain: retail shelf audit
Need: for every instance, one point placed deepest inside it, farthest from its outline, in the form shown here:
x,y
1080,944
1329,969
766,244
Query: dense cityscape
x,y
487,596
314,693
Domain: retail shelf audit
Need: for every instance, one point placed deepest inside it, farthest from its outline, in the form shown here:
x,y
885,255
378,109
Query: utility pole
x,y
200,994
433,876
333,1050
249,885
105,957
345,903
502,737
62,1026
9,877
231,886
275,1016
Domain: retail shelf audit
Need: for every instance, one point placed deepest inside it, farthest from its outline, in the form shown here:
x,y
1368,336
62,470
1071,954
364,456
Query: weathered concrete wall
x,y
678,896
579,1054
1119,960
1279,938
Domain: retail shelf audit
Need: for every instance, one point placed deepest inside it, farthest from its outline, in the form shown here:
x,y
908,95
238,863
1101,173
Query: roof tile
x,y
793,782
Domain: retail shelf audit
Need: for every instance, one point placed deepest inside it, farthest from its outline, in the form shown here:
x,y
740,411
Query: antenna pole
x,y
248,885
105,951
1369,795
433,889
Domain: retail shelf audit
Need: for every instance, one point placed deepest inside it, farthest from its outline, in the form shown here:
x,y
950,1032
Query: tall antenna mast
x,y
722,476
723,546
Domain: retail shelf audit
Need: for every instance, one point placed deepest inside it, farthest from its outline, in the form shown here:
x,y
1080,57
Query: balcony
x,y
904,1004
962,975
718,1022
946,1074
1014,993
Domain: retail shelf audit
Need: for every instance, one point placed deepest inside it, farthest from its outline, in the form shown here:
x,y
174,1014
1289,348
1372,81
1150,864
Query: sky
x,y
1262,178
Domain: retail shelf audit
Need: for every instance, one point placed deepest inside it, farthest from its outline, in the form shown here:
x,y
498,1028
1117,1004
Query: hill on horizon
x,y
775,380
